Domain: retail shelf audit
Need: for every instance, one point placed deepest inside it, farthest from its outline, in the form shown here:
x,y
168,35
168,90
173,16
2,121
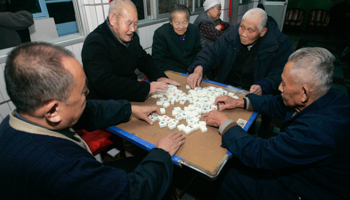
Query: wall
x,y
96,12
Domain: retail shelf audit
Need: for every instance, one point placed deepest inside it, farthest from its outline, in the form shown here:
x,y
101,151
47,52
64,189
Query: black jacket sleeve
x,y
102,114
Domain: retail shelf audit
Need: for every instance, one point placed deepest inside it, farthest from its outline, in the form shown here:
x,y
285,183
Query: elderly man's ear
x,y
51,112
306,93
263,31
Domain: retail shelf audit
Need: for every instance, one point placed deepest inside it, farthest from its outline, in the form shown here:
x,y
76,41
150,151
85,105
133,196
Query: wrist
x,y
198,69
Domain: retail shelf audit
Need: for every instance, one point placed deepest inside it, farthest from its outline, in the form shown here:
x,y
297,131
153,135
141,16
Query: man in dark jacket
x,y
251,55
43,156
309,158
112,52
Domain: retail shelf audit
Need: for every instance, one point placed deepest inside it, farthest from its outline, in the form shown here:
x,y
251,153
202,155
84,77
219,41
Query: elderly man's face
x,y
71,110
179,22
249,31
124,25
291,92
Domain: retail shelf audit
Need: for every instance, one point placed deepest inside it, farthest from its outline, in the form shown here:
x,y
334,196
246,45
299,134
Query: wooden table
x,y
201,151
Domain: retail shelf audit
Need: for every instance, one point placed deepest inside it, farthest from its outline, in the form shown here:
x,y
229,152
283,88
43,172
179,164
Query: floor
x,y
197,187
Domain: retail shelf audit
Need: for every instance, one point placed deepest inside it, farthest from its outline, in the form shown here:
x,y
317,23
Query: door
x,y
277,10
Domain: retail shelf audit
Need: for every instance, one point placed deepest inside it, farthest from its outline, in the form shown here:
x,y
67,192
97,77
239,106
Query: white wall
x,y
96,12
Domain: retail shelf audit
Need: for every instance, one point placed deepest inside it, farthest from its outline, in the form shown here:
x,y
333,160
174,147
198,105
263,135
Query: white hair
x,y
262,16
313,66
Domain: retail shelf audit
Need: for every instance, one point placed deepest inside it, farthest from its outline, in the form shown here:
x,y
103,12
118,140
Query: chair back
x,y
294,17
319,17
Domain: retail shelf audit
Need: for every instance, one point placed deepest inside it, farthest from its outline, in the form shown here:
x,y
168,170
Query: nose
x,y
280,88
133,28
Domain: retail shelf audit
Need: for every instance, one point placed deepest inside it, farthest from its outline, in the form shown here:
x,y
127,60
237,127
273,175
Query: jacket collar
x,y
21,125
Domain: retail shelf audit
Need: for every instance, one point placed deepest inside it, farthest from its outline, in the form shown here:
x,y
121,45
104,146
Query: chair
x,y
318,19
294,17
101,141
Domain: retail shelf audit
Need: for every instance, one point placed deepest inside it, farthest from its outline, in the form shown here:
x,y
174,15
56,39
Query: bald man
x,y
112,53
251,55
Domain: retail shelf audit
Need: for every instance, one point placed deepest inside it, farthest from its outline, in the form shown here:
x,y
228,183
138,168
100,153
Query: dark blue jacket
x,y
274,50
312,151
39,166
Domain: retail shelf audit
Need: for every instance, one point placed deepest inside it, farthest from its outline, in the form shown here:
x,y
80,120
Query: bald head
x,y
34,75
117,6
258,14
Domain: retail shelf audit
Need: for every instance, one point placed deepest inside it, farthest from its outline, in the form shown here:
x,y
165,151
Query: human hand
x,y
166,80
171,143
256,89
218,27
195,78
227,102
215,118
156,86
142,112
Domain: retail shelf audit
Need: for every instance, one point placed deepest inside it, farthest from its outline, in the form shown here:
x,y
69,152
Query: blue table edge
x,y
175,159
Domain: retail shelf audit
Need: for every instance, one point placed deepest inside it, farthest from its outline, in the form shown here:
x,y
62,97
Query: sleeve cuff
x,y
224,125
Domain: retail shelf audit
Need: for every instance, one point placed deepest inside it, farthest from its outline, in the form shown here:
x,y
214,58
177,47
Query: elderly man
x,y
43,158
251,55
112,52
310,157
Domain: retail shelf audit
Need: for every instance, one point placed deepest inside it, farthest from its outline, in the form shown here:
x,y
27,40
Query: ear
x,y
51,112
306,92
112,18
263,31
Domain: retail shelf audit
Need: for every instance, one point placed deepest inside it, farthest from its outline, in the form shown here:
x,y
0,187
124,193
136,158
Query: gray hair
x,y
314,66
117,6
178,8
262,15
34,75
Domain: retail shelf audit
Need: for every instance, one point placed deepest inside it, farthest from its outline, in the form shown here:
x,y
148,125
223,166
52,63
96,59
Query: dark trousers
x,y
252,184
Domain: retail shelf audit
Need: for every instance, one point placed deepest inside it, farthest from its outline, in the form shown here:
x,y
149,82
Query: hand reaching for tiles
x,y
194,79
215,118
166,80
156,86
226,102
142,112
171,143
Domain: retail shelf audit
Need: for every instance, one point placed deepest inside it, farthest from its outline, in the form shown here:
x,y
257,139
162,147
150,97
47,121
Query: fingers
x,y
174,83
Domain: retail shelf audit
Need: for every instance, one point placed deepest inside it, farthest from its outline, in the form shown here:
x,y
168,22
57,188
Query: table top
x,y
201,151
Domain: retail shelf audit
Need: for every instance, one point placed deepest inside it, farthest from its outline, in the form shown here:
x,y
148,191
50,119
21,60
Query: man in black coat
x,y
112,52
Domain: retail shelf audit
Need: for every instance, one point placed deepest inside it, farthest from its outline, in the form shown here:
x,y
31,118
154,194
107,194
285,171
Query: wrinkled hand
x,y
256,89
142,112
166,80
218,27
215,118
156,86
195,78
171,143
227,102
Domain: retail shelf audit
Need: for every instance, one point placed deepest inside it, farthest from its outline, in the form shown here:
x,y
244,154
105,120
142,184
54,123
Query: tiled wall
x,y
96,13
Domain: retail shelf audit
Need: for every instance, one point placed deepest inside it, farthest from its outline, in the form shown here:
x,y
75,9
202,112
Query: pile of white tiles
x,y
201,100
